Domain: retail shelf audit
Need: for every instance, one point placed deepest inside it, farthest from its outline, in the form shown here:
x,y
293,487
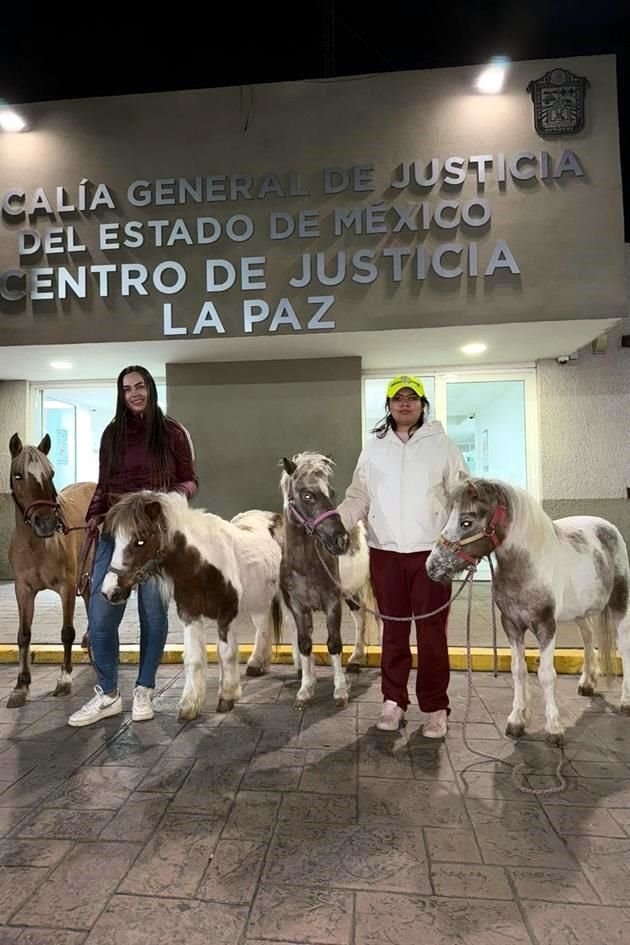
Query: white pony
x,y
213,569
573,569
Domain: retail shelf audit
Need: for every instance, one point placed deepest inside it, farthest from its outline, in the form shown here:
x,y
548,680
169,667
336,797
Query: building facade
x,y
273,253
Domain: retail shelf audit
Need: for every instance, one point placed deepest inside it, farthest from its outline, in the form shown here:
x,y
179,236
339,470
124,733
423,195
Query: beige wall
x,y
585,422
565,233
584,408
245,416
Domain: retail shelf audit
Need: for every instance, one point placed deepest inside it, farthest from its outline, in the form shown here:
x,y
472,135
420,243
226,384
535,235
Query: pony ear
x,y
44,446
15,445
153,510
289,466
463,476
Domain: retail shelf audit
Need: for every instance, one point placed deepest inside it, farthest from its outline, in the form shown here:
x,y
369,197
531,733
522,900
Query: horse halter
x,y
50,503
142,574
146,571
308,524
499,517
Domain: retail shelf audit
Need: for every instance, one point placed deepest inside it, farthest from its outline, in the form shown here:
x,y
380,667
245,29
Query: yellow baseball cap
x,y
405,380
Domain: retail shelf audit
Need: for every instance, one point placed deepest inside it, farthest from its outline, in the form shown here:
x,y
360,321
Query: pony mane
x,y
32,461
129,515
310,466
529,523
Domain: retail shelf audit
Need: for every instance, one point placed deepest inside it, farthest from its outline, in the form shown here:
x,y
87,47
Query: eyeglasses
x,y
413,400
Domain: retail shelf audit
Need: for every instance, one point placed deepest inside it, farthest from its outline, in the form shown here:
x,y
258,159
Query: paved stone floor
x,y
47,622
277,827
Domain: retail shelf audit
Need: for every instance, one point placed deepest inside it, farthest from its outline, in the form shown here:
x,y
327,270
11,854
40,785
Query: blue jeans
x,y
104,619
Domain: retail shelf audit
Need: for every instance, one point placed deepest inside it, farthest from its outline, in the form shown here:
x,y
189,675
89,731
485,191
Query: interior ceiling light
x,y
475,348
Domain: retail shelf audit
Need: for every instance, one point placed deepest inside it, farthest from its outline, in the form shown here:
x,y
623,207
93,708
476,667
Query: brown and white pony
x,y
212,568
44,551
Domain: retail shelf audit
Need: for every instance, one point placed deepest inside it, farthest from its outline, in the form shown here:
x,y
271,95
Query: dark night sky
x,y
52,51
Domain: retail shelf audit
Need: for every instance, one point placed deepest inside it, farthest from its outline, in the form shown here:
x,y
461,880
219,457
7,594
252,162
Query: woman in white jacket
x,y
400,487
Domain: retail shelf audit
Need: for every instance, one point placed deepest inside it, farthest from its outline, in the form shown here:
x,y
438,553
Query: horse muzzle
x,y
443,565
116,594
335,544
44,526
113,591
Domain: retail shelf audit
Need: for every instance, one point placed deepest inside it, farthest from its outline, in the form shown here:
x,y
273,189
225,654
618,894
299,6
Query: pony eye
x,y
466,523
17,476
307,496
139,542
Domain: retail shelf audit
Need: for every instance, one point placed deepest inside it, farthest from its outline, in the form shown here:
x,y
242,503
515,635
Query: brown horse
x,y
45,551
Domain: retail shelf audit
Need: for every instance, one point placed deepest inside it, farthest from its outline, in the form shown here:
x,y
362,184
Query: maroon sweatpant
x,y
402,586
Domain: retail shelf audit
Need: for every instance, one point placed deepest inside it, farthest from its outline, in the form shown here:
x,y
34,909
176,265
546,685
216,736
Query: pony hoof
x,y
353,668
515,730
586,690
17,699
253,670
301,704
187,714
624,708
341,702
555,738
63,689
85,642
225,705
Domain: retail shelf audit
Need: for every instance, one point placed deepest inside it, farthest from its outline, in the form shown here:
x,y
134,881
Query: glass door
x,y
491,418
75,415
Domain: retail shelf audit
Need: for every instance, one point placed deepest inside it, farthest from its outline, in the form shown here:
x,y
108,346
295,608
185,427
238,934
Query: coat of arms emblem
x,y
558,98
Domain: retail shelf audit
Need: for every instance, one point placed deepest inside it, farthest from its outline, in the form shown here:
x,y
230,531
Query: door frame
x,y
532,440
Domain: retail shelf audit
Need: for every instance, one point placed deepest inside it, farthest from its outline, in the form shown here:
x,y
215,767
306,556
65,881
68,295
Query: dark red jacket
x,y
133,471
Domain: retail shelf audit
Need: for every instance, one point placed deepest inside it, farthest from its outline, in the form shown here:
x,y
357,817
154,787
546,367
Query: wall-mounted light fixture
x,y
10,119
490,80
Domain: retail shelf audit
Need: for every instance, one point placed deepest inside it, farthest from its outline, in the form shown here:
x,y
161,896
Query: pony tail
x,y
606,637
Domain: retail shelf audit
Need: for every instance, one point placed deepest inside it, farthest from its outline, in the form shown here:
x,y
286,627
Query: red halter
x,y
499,517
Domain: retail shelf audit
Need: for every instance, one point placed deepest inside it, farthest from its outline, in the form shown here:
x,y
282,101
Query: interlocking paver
x,y
278,826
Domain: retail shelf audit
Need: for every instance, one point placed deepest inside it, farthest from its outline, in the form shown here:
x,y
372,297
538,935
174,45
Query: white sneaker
x,y
392,717
99,707
142,708
435,725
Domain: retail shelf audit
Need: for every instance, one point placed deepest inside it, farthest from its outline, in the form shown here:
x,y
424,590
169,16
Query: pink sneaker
x,y
391,718
435,725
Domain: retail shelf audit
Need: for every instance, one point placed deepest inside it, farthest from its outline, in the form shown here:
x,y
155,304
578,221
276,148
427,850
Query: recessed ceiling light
x,y
474,348
11,121
61,365
491,80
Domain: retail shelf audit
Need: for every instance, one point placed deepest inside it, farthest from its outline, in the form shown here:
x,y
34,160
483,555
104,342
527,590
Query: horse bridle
x,y
498,518
146,571
49,503
142,574
308,524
